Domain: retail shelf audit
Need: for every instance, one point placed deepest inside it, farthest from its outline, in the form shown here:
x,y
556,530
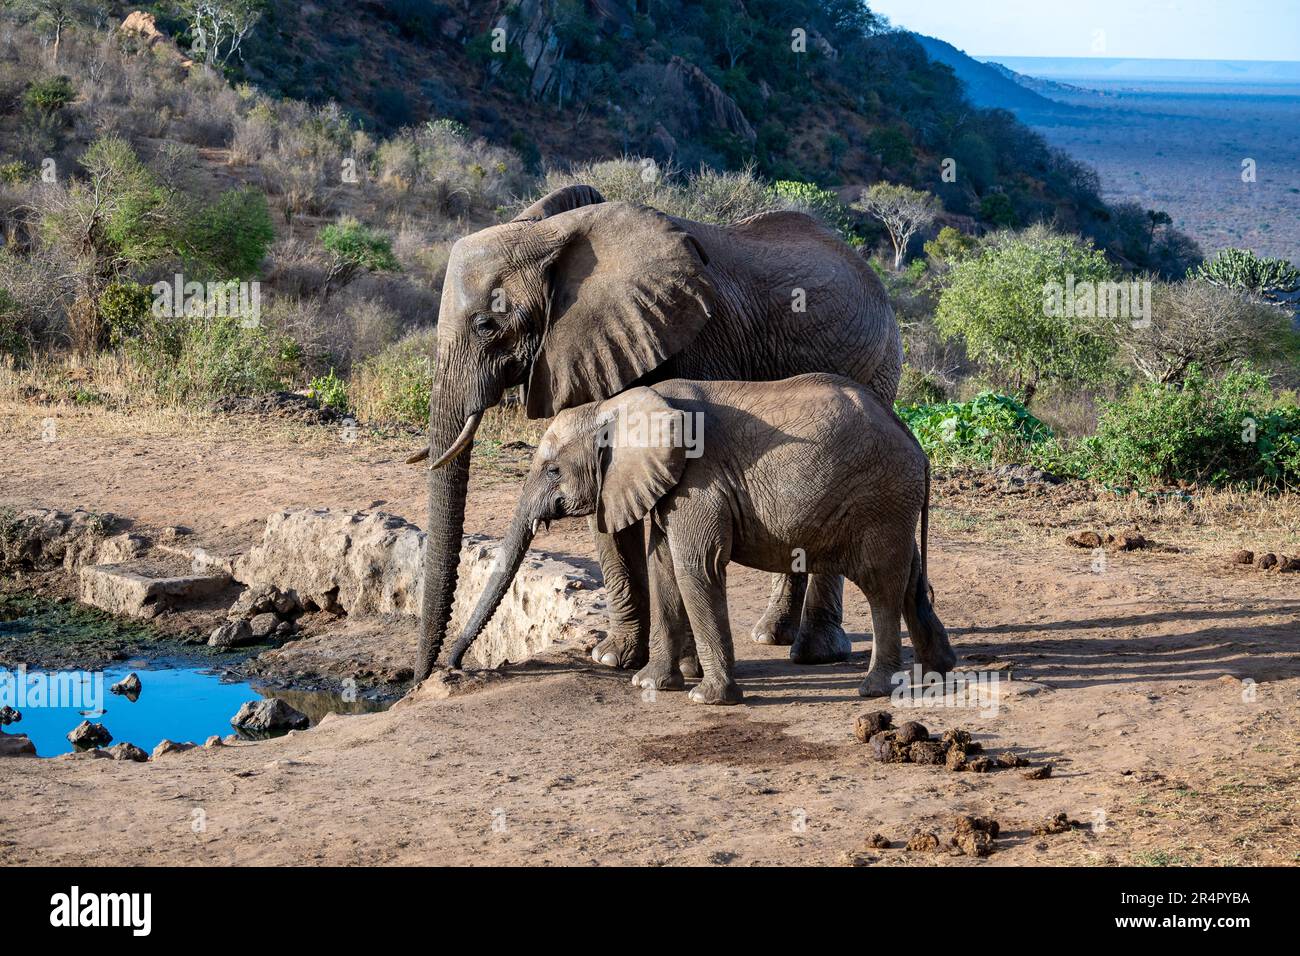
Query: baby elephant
x,y
811,474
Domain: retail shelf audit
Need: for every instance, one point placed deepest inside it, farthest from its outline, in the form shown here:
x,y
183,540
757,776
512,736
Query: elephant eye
x,y
485,324
553,470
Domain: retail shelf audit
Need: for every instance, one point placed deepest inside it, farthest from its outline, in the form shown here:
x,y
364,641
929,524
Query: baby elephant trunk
x,y
511,555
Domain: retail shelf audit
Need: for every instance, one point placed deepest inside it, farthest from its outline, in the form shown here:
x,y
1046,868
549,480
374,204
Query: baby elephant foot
x,y
690,667
878,683
822,642
621,649
778,626
659,677
717,692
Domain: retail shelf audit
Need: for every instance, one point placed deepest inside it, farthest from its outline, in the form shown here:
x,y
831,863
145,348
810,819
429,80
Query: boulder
x,y
231,634
43,539
128,686
144,589
129,752
87,735
16,745
263,625
270,713
166,746
9,716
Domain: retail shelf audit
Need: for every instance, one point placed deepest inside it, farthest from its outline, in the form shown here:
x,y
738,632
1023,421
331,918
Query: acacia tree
x,y
54,16
904,212
219,27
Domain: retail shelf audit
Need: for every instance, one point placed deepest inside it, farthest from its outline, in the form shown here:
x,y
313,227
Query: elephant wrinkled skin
x,y
579,299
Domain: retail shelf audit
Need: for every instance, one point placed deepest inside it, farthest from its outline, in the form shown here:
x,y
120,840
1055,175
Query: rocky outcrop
x,y
128,752
369,563
146,589
144,28
704,105
269,714
42,539
166,747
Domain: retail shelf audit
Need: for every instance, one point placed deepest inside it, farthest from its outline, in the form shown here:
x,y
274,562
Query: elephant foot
x,y
939,662
779,625
621,650
689,665
822,643
659,677
879,682
717,692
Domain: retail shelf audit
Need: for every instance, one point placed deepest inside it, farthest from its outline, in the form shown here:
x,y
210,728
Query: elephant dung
x,y
926,752
1039,773
923,841
867,726
885,748
912,732
973,836
1011,760
878,841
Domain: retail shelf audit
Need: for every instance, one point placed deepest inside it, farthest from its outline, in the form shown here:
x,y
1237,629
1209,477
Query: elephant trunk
x,y
513,548
447,489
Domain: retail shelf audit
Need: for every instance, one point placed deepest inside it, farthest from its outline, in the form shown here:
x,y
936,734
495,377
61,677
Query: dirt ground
x,y
1162,686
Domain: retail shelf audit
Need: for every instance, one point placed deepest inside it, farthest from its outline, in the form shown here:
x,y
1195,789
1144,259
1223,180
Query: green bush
x,y
989,429
124,308
14,339
330,391
1221,432
393,386
49,94
15,173
818,202
232,235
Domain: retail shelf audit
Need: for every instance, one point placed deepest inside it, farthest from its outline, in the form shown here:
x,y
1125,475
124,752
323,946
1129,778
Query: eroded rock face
x,y
144,589
369,563
42,539
16,745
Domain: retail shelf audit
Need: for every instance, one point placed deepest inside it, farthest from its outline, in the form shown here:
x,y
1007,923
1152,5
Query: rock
x,y
972,843
284,603
1039,773
231,634
42,539
1243,557
867,726
166,746
702,102
253,601
87,735
9,716
912,732
1266,561
128,686
144,28
125,751
16,745
263,626
213,742
270,713
926,752
144,589
923,841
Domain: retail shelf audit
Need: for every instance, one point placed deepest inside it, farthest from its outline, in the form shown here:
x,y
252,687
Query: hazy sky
x,y
1161,29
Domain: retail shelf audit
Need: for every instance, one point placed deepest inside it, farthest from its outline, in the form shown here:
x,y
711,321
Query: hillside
x,y
989,87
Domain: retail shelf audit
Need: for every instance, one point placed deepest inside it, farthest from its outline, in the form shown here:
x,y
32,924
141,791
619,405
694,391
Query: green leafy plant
x,y
330,391
355,248
49,94
988,429
232,235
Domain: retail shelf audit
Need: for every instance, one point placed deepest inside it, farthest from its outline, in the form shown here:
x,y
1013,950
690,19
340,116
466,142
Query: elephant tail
x,y
928,634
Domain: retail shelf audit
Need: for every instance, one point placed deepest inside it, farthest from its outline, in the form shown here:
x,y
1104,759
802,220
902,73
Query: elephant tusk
x,y
420,455
460,444
543,523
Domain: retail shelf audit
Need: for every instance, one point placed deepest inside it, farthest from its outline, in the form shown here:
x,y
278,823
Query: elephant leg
x,y
703,587
668,621
780,622
821,637
886,646
623,567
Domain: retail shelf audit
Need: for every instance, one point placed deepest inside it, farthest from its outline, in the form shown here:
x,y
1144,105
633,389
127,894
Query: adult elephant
x,y
579,299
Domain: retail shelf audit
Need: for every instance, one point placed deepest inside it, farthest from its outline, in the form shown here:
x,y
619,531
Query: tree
x,y
1243,271
904,211
54,16
997,301
219,27
1196,323
355,248
232,235
949,247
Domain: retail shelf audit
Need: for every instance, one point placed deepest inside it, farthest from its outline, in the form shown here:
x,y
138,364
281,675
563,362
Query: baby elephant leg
x,y
668,622
886,647
703,587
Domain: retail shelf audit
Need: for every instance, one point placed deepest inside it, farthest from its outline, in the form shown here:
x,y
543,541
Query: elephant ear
x,y
642,455
560,200
627,289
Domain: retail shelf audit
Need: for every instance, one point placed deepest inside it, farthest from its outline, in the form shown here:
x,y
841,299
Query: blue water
x,y
183,704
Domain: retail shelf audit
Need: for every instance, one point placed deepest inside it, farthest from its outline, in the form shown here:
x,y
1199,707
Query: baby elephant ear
x,y
642,455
